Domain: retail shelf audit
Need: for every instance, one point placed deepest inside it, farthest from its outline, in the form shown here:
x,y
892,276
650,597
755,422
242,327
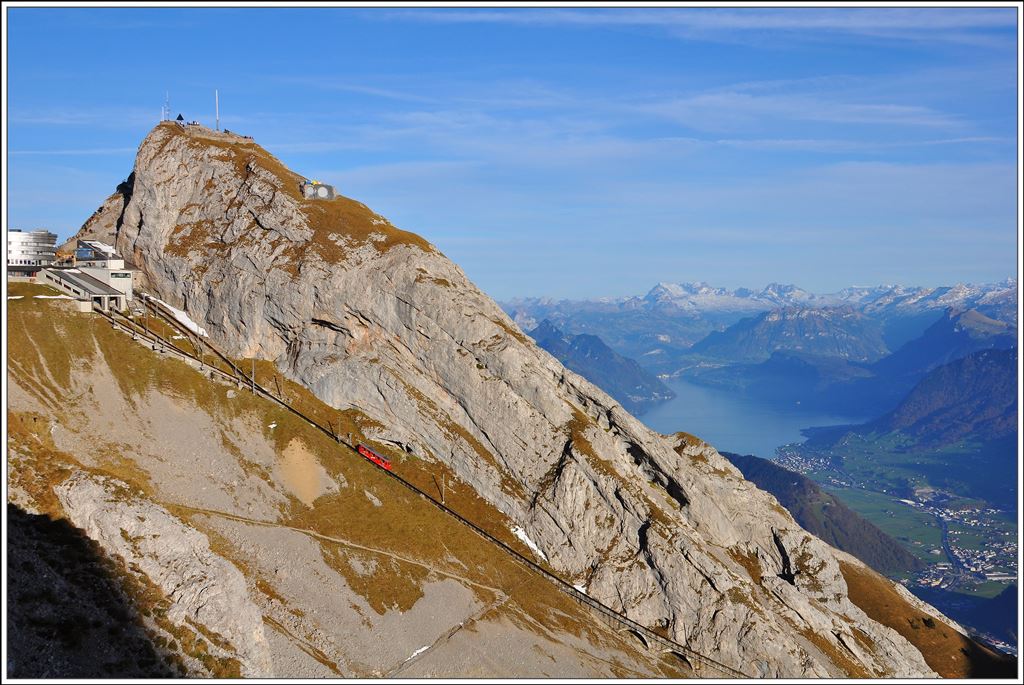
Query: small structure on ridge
x,y
315,190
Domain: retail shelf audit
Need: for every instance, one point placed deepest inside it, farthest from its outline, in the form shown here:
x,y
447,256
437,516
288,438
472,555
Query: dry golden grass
x,y
687,440
28,289
400,591
427,475
838,655
862,639
809,570
47,336
364,523
423,277
35,465
946,651
749,561
515,333
738,595
354,224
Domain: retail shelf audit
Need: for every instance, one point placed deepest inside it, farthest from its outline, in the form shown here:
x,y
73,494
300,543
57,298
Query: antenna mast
x,y
216,106
165,112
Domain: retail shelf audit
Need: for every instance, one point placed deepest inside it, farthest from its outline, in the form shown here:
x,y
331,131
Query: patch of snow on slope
x,y
182,318
416,653
521,534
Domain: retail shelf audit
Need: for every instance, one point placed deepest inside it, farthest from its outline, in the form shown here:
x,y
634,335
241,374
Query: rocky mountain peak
x,y
838,331
236,193
784,293
369,317
545,329
975,323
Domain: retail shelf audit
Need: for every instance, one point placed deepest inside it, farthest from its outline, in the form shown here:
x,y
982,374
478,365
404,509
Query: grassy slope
x,y
48,342
947,652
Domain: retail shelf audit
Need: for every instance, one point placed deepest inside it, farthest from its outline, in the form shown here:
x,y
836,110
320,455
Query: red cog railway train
x,y
374,457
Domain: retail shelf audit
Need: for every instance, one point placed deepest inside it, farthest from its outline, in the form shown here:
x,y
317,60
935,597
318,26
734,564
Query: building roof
x,y
36,232
84,281
180,118
99,246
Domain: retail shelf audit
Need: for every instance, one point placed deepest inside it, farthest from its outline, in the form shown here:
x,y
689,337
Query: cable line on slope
x,y
649,636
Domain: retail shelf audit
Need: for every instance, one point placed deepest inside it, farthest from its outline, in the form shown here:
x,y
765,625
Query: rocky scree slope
x,y
371,317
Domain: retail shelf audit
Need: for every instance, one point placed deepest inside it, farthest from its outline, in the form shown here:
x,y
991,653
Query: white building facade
x,y
28,250
118,279
100,261
84,288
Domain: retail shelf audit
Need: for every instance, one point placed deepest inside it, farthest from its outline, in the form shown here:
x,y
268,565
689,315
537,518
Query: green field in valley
x,y
915,529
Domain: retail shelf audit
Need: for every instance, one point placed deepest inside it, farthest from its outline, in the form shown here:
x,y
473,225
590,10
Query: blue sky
x,y
568,152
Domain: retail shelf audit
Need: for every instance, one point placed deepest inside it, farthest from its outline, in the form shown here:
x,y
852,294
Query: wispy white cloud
x,y
915,194
729,110
471,141
82,151
401,172
109,117
333,83
842,213
952,24
839,146
477,116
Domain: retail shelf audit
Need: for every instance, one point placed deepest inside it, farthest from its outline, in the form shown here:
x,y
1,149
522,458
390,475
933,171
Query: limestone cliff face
x,y
205,589
368,316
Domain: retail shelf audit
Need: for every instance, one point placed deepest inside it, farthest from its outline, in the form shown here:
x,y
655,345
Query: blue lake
x,y
732,423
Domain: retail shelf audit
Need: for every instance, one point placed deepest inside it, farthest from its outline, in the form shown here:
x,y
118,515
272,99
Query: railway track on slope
x,y
695,660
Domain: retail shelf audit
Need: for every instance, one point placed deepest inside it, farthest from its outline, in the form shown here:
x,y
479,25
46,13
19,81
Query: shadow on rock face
x,y
989,663
67,615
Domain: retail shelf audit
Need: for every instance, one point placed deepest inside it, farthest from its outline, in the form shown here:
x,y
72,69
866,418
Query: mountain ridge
x,y
825,515
702,296
619,376
374,319
833,331
956,334
156,459
660,328
971,397
845,384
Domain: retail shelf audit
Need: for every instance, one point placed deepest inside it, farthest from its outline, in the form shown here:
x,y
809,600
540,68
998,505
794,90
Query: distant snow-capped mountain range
x,y
702,298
